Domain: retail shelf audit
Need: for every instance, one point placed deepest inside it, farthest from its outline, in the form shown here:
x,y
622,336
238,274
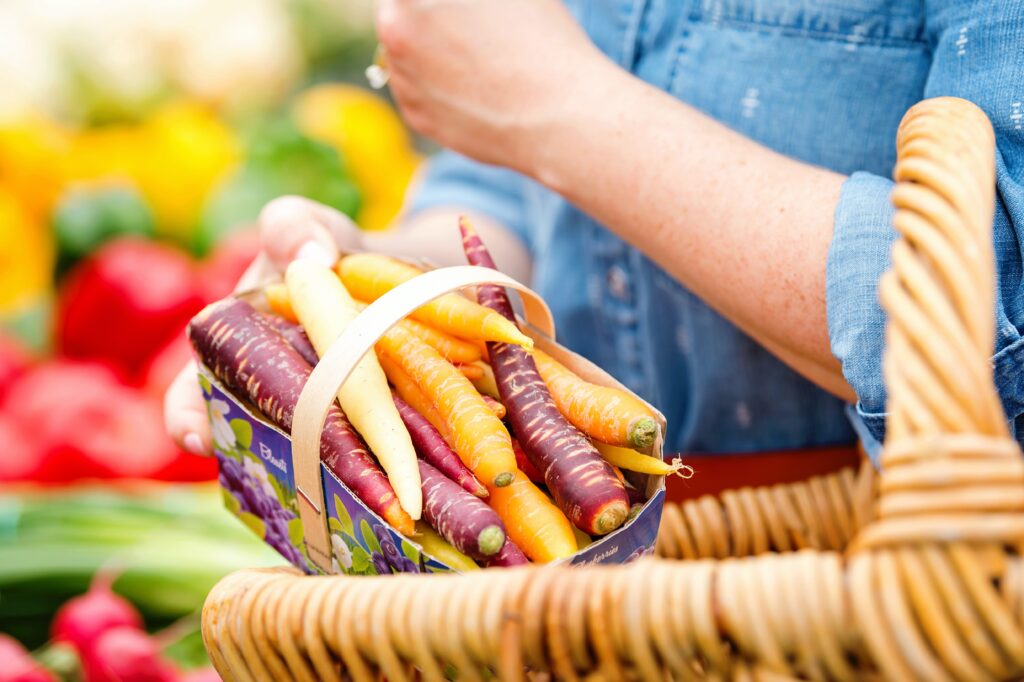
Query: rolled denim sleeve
x,y
454,180
976,56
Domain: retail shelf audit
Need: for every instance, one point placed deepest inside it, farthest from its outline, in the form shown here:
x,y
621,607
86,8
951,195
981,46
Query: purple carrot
x,y
583,484
432,448
463,520
250,357
294,335
510,555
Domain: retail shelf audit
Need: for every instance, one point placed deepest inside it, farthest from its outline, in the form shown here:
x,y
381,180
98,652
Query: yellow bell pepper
x,y
32,153
371,139
26,255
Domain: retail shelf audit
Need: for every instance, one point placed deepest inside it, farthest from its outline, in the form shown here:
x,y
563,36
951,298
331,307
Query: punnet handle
x,y
342,357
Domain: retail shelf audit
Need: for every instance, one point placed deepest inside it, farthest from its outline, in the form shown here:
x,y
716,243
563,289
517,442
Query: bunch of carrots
x,y
457,432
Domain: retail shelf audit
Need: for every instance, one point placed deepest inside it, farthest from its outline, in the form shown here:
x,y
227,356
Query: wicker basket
x,y
914,576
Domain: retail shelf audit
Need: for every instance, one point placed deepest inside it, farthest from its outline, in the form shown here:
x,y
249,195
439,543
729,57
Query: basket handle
x,y
344,354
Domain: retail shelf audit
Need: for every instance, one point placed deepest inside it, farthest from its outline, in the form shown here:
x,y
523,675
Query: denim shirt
x,y
823,82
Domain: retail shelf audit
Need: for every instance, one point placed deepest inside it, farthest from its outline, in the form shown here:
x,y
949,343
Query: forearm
x,y
743,227
433,234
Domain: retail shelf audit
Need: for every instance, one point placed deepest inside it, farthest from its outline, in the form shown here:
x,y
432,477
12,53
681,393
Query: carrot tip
x,y
503,479
491,540
642,433
611,518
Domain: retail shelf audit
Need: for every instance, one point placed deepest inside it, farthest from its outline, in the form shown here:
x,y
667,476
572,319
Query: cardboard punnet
x,y
277,485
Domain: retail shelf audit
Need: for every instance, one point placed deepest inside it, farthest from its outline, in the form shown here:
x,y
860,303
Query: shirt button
x,y
618,282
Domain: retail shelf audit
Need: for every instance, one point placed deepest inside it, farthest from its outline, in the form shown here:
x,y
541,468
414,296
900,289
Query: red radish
x,y
295,336
22,457
16,665
245,352
510,555
432,447
581,481
200,675
81,620
524,463
126,654
466,522
126,301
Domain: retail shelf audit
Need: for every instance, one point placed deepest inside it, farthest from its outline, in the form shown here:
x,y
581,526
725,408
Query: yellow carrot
x,y
454,350
477,436
609,415
277,299
624,458
532,521
439,548
369,276
325,309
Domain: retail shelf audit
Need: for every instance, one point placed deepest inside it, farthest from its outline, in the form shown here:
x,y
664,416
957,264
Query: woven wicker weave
x,y
913,575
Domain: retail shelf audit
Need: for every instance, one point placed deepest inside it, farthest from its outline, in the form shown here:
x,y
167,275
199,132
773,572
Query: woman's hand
x,y
483,77
290,227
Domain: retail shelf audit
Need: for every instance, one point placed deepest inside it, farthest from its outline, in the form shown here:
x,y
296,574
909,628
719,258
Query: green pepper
x,y
86,218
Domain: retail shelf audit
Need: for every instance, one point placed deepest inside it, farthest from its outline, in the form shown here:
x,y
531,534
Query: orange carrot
x,y
408,391
532,521
368,276
496,406
609,415
277,299
471,372
453,349
477,436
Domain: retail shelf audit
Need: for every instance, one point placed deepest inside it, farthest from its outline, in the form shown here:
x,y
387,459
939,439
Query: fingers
x,y
185,413
293,227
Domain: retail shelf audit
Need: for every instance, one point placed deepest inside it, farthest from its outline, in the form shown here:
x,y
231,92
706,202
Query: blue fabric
x,y
826,83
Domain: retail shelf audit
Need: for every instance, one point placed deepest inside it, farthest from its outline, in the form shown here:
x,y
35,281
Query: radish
x,y
466,522
126,654
245,352
81,620
432,447
582,482
16,665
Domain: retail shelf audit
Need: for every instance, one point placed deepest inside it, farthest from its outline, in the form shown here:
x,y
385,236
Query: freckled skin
x,y
582,482
250,357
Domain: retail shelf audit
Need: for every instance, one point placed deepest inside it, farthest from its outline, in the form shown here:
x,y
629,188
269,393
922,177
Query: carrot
x,y
510,555
244,352
470,371
277,299
524,463
408,391
607,414
455,350
325,310
369,276
624,458
295,337
582,539
477,436
439,548
496,407
463,520
432,448
582,483
487,384
532,522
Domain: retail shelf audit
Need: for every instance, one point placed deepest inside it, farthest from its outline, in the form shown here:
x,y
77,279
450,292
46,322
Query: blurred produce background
x,y
138,141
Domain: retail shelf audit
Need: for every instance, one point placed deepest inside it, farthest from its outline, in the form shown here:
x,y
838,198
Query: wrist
x,y
576,117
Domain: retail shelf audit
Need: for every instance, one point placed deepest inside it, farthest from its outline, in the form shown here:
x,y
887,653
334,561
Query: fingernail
x,y
193,443
315,251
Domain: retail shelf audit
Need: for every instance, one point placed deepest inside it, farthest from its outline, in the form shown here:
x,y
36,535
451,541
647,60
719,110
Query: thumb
x,y
293,227
185,413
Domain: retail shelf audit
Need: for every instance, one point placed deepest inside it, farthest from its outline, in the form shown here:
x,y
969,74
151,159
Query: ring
x,y
377,73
